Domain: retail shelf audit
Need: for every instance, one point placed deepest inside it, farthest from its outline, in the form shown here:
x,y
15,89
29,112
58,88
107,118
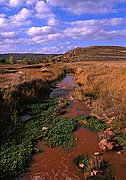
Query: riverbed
x,y
56,163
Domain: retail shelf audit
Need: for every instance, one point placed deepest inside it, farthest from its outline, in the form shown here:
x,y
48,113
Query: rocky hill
x,y
96,53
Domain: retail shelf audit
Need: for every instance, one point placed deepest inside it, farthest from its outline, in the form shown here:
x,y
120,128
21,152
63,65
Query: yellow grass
x,y
107,86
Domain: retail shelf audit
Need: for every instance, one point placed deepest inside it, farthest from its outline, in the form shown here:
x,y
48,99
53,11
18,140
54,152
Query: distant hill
x,y
91,53
21,56
96,53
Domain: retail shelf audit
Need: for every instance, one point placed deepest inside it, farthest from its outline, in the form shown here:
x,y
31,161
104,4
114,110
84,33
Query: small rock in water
x,y
105,145
95,172
96,153
108,132
25,118
81,165
44,128
119,153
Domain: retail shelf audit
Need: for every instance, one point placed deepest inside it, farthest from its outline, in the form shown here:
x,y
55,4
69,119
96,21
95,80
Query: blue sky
x,y
55,26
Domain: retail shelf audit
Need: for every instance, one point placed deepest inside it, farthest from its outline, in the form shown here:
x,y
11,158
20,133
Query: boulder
x,y
81,165
108,132
105,145
25,118
44,128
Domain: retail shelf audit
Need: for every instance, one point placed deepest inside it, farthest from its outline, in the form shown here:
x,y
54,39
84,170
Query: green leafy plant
x,y
60,134
18,150
93,122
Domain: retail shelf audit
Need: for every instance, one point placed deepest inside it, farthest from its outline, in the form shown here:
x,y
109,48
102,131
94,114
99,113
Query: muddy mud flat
x,y
57,163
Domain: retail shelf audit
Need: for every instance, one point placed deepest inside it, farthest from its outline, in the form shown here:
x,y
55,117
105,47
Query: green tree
x,y
11,59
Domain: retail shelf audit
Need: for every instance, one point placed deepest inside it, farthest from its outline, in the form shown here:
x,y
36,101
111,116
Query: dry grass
x,y
104,82
22,84
17,74
107,87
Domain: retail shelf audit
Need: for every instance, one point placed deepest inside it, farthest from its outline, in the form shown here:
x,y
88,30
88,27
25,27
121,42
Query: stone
x,y
97,154
105,145
83,121
95,172
81,165
119,153
25,118
92,174
108,132
44,128
44,70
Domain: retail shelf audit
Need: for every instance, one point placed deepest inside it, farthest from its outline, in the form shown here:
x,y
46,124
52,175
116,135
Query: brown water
x,y
56,163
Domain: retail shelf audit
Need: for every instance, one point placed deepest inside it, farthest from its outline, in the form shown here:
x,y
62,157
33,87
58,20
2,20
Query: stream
x,y
56,163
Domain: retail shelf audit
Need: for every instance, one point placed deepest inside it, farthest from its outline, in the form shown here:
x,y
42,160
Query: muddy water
x,y
56,163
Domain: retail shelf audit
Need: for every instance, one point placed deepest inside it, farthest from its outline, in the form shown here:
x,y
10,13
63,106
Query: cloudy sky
x,y
55,26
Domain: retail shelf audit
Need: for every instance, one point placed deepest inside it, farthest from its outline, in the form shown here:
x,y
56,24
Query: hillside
x,y
96,53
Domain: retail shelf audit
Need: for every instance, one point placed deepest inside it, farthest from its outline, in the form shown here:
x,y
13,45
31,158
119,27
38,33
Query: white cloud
x,y
21,17
44,16
4,23
47,38
99,22
43,10
2,15
50,50
38,31
53,22
79,7
95,29
42,7
16,3
2,1
31,2
8,35
44,34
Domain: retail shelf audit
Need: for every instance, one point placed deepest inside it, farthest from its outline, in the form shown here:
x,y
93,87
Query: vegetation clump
x,y
60,134
93,122
94,167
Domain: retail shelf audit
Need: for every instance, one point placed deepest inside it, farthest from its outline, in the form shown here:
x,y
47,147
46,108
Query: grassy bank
x,y
16,91
106,88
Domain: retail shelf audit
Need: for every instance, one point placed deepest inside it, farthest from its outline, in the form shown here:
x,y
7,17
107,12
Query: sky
x,y
56,26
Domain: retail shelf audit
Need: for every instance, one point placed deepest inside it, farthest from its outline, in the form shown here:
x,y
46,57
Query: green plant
x,y
11,59
18,150
92,164
93,122
14,118
83,159
14,159
121,138
60,134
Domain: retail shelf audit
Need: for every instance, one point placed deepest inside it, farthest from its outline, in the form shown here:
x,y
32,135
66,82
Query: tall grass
x,y
107,87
